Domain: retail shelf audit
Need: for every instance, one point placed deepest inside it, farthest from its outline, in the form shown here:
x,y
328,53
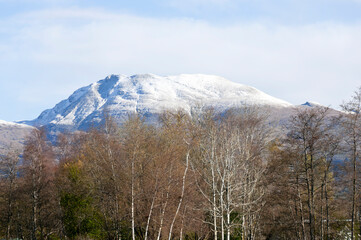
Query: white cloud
x,y
199,2
198,5
51,53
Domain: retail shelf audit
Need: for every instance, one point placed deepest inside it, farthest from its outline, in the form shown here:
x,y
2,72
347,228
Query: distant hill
x,y
12,135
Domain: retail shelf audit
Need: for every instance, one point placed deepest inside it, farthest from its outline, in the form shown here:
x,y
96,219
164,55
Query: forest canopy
x,y
198,176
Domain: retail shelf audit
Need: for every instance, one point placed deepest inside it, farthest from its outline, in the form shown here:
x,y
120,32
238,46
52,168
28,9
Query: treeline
x,y
203,176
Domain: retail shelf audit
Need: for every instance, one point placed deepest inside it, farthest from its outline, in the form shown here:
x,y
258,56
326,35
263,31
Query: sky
x,y
298,51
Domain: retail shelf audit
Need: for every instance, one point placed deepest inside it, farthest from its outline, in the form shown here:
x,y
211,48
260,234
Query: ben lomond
x,y
149,95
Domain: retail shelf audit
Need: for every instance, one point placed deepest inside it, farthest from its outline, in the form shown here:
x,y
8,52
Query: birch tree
x,y
230,170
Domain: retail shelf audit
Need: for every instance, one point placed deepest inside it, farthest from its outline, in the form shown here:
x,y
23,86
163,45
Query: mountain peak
x,y
150,95
143,76
311,104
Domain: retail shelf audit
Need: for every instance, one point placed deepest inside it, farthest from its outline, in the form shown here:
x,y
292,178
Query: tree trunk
x,y
322,194
353,187
327,213
303,233
181,197
312,223
165,204
228,207
309,201
151,209
214,191
132,210
34,211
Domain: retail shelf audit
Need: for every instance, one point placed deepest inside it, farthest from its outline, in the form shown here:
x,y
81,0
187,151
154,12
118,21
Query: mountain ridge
x,y
149,95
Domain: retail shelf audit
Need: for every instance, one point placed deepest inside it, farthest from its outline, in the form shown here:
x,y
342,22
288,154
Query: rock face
x,y
149,95
12,136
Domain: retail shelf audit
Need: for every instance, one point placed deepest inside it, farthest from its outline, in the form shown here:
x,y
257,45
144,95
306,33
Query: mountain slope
x,y
12,135
149,95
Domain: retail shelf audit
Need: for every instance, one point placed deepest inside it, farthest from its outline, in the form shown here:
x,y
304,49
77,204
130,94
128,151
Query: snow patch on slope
x,y
150,94
12,136
12,124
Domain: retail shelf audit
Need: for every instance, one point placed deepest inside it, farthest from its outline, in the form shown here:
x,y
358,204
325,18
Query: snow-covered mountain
x,y
149,95
12,135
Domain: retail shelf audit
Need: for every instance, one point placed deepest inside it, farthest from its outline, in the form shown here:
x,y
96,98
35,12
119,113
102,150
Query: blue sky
x,y
294,50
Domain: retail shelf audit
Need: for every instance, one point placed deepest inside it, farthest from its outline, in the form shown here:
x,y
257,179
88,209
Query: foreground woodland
x,y
198,176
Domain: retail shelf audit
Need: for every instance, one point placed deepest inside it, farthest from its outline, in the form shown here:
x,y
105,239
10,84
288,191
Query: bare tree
x,y
206,167
352,130
9,171
39,169
103,150
329,148
309,132
283,212
230,170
